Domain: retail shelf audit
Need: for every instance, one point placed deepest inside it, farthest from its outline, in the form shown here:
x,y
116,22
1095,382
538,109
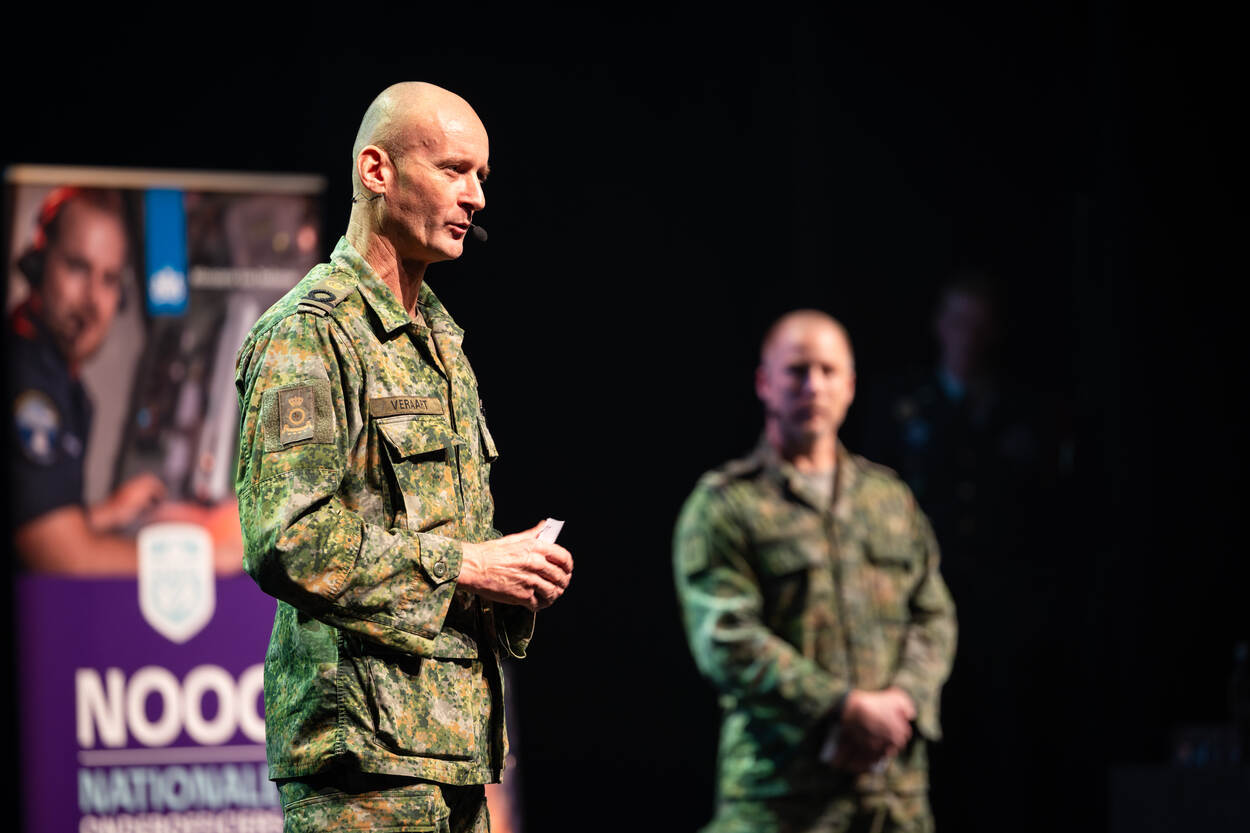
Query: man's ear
x,y
373,167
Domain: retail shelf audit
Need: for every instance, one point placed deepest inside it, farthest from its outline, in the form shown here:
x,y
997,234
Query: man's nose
x,y
98,299
474,198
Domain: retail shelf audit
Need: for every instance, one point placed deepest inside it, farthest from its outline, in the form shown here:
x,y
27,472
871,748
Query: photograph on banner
x,y
140,641
124,308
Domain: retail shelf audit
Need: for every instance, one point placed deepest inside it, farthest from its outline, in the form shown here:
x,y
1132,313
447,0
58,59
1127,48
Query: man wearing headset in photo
x,y
75,267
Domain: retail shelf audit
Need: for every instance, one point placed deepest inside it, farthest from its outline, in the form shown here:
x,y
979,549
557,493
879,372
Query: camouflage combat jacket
x,y
364,461
788,606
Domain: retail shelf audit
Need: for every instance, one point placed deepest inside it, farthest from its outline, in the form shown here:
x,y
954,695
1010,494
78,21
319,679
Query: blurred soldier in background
x,y
808,579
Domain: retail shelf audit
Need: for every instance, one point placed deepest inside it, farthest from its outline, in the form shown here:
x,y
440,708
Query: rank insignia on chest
x,y
297,414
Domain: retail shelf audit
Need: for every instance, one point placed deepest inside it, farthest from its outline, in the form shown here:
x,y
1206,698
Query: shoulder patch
x,y
38,425
297,414
325,295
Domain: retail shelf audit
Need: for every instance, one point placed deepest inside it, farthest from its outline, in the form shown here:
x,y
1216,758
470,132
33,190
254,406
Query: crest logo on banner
x,y
177,588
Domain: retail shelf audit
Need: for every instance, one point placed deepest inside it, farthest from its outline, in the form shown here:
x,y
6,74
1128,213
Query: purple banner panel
x,y
124,729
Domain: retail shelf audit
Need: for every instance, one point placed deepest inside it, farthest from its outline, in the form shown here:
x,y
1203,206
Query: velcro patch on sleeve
x,y
297,414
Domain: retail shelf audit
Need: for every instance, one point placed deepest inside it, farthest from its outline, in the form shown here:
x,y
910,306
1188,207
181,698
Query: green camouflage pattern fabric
x,y
364,463
788,606
841,812
376,803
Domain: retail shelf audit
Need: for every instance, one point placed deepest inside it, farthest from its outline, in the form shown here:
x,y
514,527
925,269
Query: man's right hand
x,y
517,569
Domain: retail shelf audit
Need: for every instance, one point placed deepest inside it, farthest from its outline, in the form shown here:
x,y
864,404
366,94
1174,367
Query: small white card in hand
x,y
550,530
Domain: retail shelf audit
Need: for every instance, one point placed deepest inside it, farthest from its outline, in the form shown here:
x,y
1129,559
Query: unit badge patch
x,y
297,414
38,425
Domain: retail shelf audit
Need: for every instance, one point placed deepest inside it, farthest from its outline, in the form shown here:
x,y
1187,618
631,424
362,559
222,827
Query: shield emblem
x,y
177,590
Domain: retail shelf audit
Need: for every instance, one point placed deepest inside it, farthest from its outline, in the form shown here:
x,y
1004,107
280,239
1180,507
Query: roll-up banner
x,y
139,642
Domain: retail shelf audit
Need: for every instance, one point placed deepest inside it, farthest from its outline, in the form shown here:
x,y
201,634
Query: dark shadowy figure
x,y
982,451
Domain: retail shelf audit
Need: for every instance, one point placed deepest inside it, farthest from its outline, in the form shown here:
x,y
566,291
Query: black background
x,y
663,186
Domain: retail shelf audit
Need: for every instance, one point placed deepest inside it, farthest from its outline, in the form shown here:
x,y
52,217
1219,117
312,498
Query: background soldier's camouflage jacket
x,y
788,606
363,463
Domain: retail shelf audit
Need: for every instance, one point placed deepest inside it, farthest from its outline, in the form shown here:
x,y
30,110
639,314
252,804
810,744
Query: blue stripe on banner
x,y
165,243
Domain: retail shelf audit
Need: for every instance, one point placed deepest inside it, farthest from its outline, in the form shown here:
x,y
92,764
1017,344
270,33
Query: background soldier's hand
x,y
854,758
876,724
517,569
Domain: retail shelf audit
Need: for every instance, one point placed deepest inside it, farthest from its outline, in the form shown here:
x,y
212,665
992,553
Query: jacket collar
x,y
436,316
847,474
390,313
377,296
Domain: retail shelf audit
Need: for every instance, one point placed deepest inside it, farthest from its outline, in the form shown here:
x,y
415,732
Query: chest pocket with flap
x,y
423,453
894,566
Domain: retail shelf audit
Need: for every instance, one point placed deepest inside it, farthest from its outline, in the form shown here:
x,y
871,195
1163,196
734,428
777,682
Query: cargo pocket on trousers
x,y
415,808
421,452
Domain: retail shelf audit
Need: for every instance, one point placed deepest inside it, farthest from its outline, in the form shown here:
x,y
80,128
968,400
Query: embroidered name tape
x,y
394,405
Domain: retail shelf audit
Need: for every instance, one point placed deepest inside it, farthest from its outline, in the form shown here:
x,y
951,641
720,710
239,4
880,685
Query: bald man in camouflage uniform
x,y
366,509
810,592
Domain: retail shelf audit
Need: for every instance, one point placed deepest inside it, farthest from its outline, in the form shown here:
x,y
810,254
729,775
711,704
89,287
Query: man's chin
x,y
83,351
453,249
812,430
67,346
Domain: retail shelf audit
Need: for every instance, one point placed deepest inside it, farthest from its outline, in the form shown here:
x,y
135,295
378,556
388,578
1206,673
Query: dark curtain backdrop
x,y
663,186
